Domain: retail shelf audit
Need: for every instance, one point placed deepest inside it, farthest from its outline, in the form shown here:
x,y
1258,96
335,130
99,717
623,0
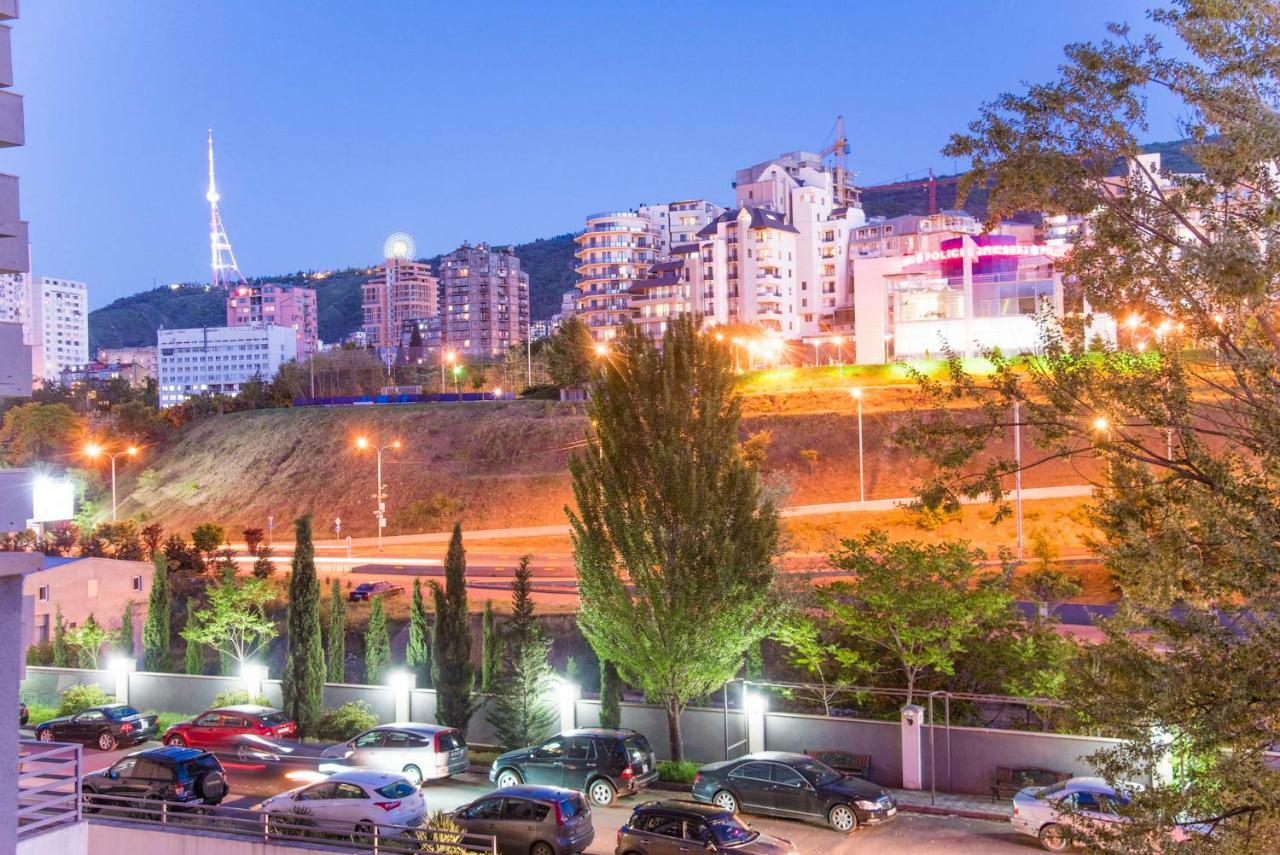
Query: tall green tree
x,y
520,714
336,649
193,662
123,636
1185,429
207,537
674,539
454,674
377,645
610,695
417,653
304,666
571,354
88,638
157,639
61,654
490,649
34,432
234,621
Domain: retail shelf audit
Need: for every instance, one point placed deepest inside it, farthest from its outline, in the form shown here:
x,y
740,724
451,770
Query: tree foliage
x,y
122,637
454,674
490,649
610,695
35,432
234,621
336,647
673,537
304,667
417,653
571,354
88,639
520,714
157,639
377,645
61,645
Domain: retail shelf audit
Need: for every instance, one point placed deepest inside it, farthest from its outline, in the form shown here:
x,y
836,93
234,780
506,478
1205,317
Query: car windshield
x,y
273,718
203,763
364,586
396,790
728,830
118,713
1051,790
638,747
571,806
816,772
449,740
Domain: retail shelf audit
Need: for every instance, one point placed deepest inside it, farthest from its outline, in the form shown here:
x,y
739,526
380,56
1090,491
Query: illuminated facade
x,y
748,261
288,306
217,360
614,252
486,300
60,317
399,290
678,223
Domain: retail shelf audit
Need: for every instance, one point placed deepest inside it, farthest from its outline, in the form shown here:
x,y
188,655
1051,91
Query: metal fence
x,y
48,786
294,828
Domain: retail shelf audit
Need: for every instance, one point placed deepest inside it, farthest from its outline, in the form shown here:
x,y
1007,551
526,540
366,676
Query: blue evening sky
x,y
338,123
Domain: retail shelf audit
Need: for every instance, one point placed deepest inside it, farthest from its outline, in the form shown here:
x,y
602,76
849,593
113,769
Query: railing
x,y
48,786
298,826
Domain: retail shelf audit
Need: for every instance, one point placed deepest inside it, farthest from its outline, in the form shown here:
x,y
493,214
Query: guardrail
x,y
297,827
48,786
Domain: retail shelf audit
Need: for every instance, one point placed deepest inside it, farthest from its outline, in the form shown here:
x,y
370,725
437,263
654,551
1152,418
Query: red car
x,y
225,729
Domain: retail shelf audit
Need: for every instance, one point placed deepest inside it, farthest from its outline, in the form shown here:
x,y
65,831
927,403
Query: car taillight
x,y
697,779
179,789
627,773
619,840
559,814
388,806
1015,810
126,728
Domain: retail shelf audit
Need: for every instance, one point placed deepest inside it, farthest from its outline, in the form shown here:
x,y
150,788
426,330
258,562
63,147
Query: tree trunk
x,y
673,730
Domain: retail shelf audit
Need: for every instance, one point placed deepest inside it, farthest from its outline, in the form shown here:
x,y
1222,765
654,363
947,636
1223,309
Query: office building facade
x,y
217,360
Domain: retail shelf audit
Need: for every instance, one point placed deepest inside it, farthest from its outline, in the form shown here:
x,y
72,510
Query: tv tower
x,y
221,258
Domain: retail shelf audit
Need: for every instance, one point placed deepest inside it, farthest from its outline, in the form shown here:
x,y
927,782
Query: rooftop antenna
x,y
222,260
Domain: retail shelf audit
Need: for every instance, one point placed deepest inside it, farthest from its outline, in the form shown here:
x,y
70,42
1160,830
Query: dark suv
x,y
165,774
674,827
369,590
599,762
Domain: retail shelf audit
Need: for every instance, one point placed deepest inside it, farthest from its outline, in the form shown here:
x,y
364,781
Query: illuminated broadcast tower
x,y
222,260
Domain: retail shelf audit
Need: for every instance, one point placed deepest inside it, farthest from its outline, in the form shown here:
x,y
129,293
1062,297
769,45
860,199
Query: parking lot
x,y
909,833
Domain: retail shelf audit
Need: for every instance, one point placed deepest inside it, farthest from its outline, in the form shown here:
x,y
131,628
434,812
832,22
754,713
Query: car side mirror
x,y
113,775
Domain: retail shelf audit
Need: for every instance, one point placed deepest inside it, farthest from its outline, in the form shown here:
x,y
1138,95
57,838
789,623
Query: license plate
x,y
644,769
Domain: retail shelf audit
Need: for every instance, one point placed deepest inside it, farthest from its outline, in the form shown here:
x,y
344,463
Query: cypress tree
x,y
195,655
418,652
377,645
610,695
124,635
304,666
490,650
156,636
520,715
60,652
454,675
336,652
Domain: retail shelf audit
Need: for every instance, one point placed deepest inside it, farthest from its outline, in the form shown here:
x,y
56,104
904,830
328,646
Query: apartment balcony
x,y
12,125
48,787
8,10
6,59
15,256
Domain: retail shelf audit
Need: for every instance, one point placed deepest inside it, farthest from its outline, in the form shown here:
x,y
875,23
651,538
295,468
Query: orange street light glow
x,y
131,450
1101,423
93,449
601,349
361,442
395,444
1132,322
856,392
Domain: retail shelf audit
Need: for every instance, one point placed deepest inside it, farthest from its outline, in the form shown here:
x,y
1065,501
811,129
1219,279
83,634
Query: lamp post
x,y
93,451
381,513
1102,426
737,359
856,392
450,357
457,380
838,341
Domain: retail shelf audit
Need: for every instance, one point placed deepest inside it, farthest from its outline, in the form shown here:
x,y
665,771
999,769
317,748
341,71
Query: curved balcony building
x,y
614,252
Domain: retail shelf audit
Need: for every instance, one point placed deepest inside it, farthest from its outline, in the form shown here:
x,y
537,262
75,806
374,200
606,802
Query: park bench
x,y
857,765
1005,783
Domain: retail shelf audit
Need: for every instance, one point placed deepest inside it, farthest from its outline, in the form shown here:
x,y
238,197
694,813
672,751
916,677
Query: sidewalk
x,y
953,804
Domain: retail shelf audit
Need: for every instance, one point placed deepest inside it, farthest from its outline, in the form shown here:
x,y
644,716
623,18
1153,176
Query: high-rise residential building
x,y
748,260
15,299
678,223
292,306
217,360
486,300
614,253
60,316
399,290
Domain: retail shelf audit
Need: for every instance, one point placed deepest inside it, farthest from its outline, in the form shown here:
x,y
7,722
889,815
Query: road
x,y
909,833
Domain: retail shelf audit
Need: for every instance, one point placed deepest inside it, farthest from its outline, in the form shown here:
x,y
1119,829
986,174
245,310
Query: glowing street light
x,y
93,451
838,341
497,393
457,379
450,357
856,392
362,443
1102,424
601,349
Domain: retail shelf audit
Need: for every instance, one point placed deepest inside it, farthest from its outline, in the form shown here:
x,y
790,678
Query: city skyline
x,y
480,151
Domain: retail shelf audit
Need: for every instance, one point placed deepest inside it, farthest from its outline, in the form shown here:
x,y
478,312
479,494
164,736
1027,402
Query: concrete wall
x,y
44,685
101,587
120,839
72,839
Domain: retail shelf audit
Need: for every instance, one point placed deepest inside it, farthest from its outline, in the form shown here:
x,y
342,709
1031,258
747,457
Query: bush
x,y
80,698
443,837
677,771
237,697
165,720
345,722
40,654
38,713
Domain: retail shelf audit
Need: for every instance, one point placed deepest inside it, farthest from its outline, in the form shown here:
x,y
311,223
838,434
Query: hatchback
x,y
795,786
674,827
531,819
600,762
421,752
226,728
369,590
357,799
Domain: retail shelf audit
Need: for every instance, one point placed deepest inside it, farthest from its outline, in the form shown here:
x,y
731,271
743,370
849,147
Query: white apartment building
x,y
60,317
678,223
218,359
614,253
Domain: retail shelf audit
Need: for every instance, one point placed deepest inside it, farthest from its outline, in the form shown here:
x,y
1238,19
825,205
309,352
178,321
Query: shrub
x,y
438,835
39,712
237,697
80,698
345,722
40,654
677,771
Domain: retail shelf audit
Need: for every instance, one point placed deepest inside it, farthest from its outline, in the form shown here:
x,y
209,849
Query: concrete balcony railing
x,y
12,124
48,786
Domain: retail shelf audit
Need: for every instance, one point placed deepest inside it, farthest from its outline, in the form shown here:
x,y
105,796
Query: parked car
x,y
23,714
369,590
172,774
531,819
421,752
356,799
1061,812
796,786
108,727
226,728
674,827
597,761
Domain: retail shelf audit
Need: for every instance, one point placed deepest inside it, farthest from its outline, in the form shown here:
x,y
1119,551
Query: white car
x,y
357,800
420,752
1059,814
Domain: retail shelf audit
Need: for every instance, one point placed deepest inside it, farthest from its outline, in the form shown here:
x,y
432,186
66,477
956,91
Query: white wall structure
x,y
677,223
614,252
60,316
218,359
15,361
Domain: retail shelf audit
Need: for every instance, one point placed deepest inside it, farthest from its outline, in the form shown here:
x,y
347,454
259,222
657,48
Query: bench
x,y
857,765
1005,783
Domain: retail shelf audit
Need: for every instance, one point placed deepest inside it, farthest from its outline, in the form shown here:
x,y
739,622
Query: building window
x,y
42,593
137,583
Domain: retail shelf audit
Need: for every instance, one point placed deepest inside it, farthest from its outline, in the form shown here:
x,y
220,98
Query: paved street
x,y
909,833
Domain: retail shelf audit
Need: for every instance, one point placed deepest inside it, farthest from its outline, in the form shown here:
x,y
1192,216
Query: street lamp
x,y
450,357
94,451
497,393
380,514
856,392
838,341
457,379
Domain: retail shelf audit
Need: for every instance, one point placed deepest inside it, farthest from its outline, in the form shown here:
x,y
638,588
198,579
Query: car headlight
x,y
866,805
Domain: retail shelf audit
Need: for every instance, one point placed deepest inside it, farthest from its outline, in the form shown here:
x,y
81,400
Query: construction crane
x,y
845,194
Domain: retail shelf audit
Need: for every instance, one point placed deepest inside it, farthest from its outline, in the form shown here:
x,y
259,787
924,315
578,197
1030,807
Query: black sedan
x,y
369,590
108,727
795,786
